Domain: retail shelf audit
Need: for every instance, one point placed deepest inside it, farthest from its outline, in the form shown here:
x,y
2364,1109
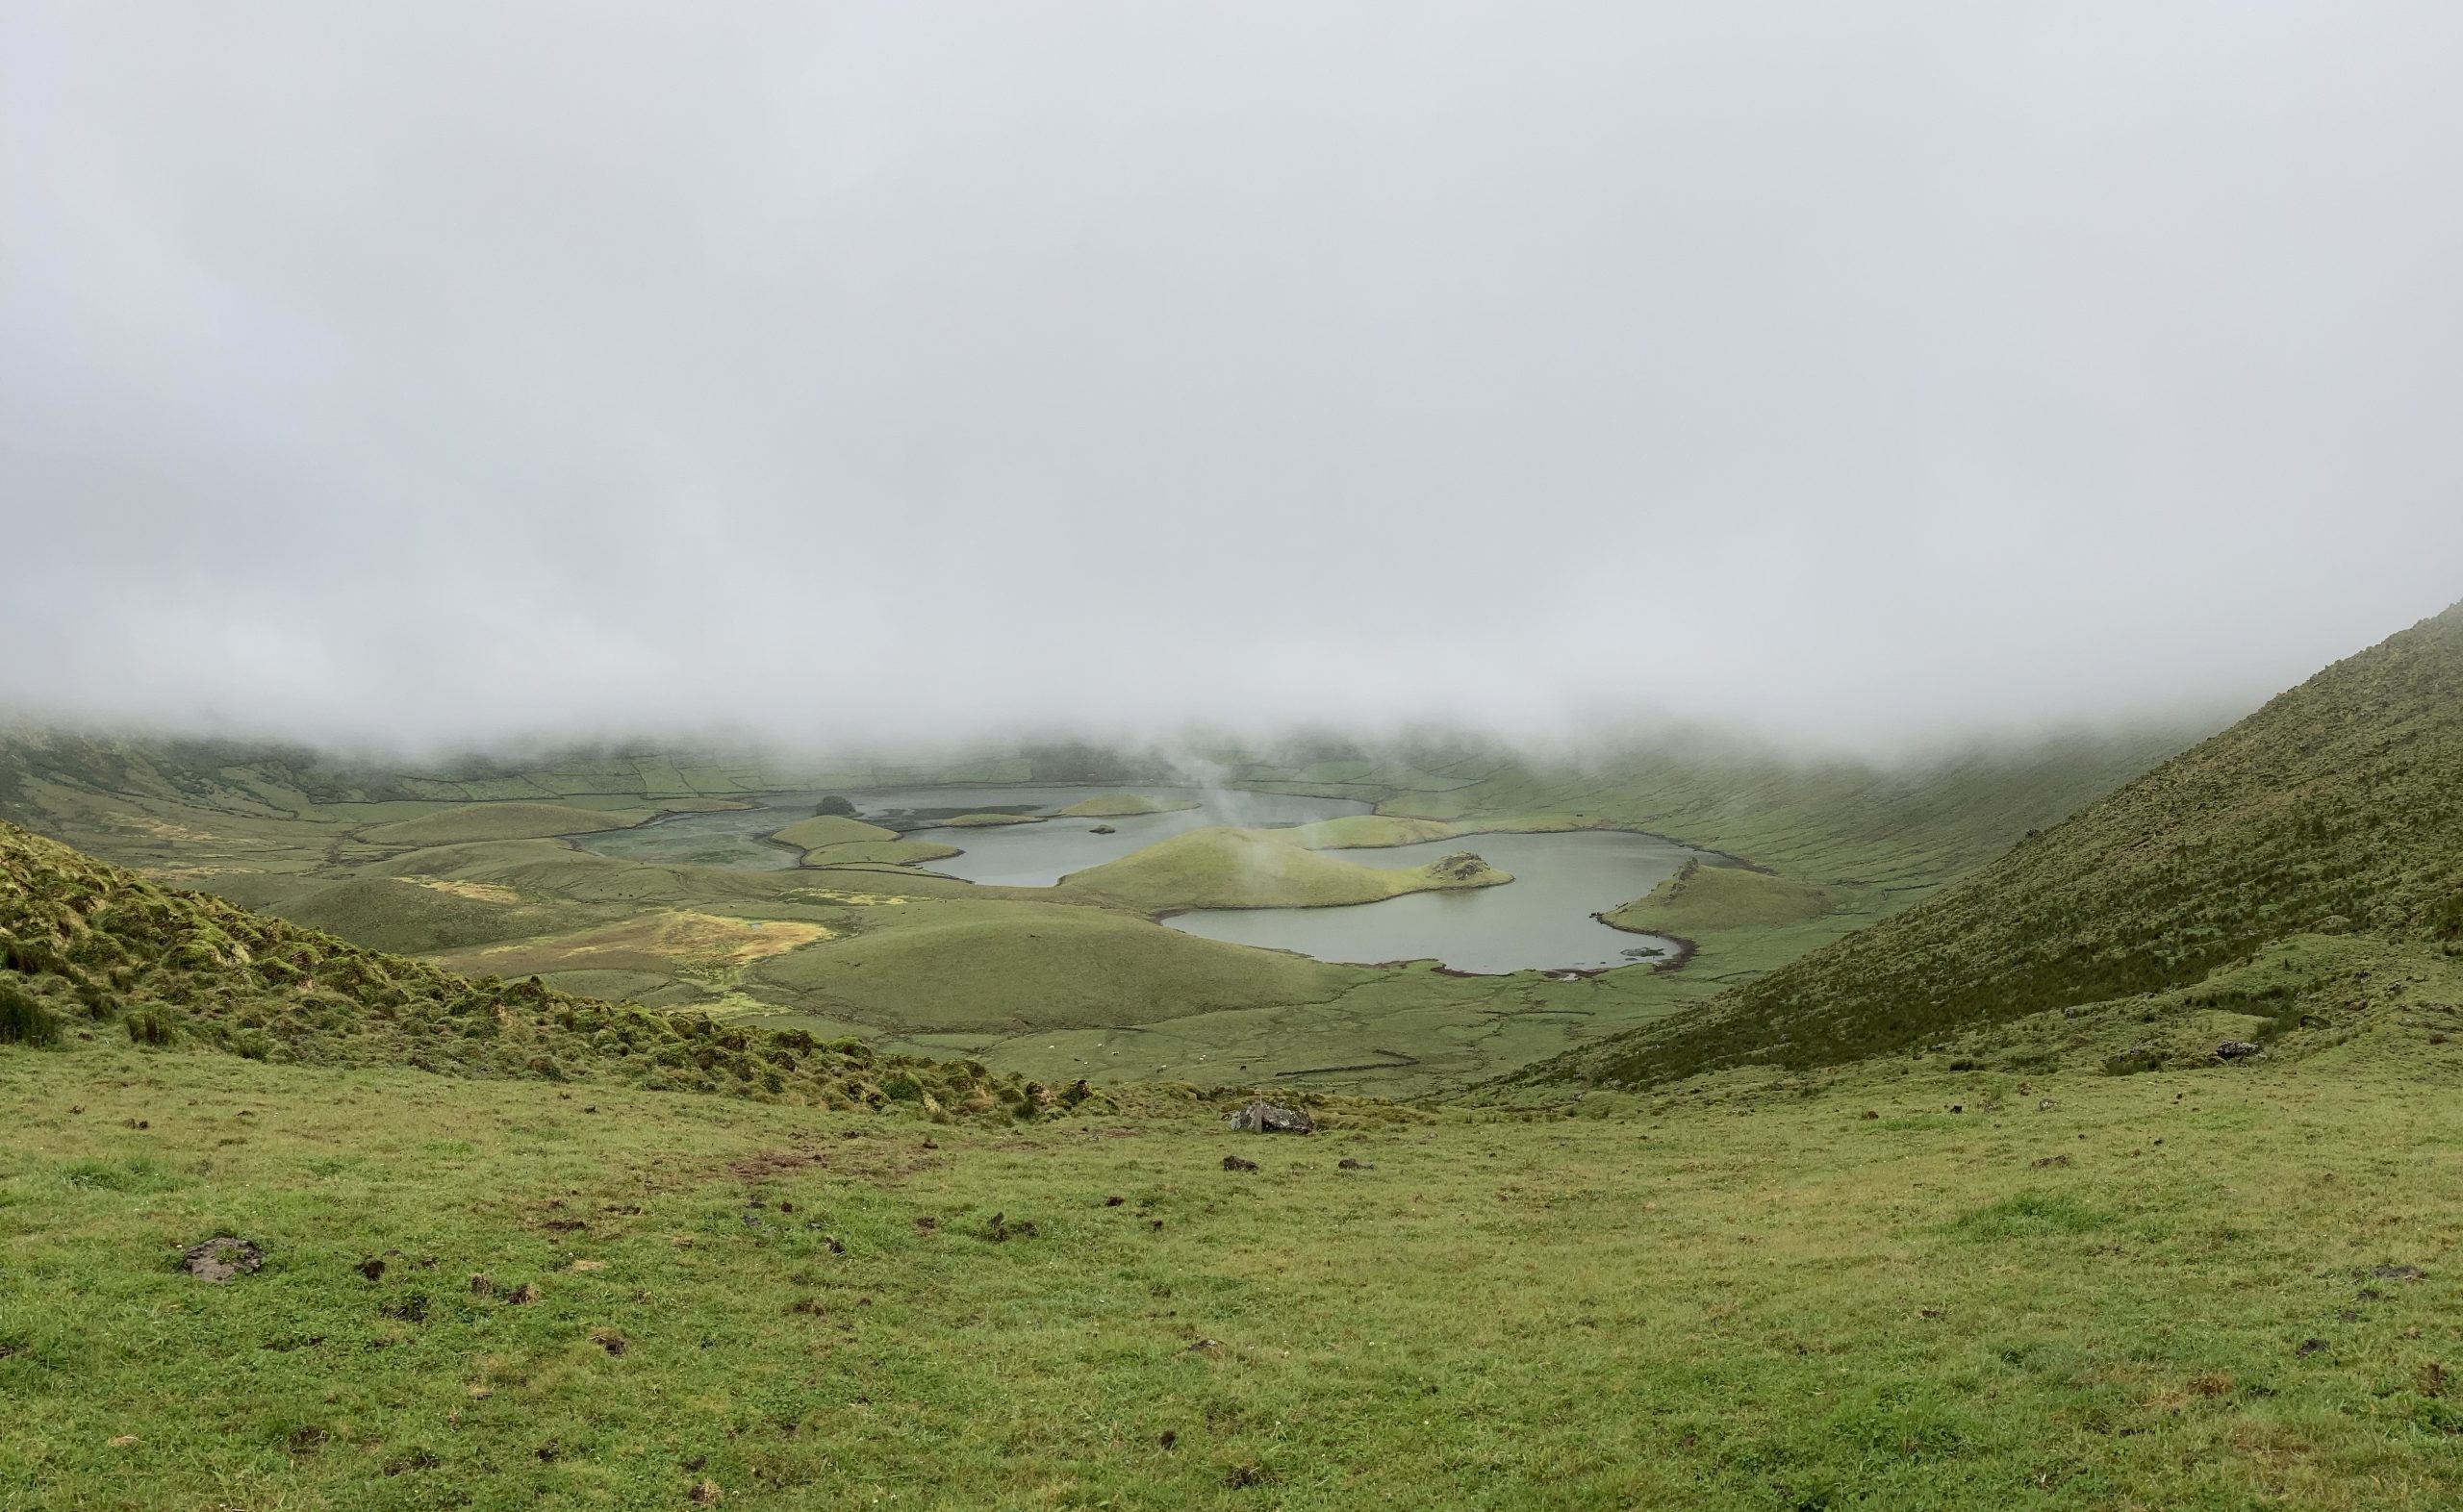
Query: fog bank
x,y
1854,377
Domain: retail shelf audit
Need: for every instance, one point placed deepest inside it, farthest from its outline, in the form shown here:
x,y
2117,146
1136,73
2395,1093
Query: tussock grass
x,y
83,939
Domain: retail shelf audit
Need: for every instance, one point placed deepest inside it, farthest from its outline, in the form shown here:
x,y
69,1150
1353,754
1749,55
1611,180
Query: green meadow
x,y
1909,1286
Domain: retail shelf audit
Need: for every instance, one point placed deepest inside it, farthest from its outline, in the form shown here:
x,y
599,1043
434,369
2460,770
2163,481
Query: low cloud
x,y
1859,377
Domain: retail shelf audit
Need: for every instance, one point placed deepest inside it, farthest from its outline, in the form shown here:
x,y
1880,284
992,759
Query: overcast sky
x,y
1858,374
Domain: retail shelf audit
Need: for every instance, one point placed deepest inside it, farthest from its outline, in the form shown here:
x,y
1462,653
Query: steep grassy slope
x,y
2336,808
1222,868
89,948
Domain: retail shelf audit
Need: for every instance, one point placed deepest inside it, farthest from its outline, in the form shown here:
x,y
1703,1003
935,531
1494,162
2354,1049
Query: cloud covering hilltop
x,y
1848,375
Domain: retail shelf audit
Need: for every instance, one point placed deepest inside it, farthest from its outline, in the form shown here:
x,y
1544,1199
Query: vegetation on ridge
x,y
2331,809
87,944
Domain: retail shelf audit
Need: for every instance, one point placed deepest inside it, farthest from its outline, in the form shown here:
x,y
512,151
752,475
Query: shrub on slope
x,y
2338,807
85,942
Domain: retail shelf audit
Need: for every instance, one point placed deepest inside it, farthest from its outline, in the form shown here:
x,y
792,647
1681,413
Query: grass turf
x,y
2210,1289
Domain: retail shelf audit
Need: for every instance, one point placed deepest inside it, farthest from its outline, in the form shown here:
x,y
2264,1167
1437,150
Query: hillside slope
x,y
86,946
1902,828
2337,808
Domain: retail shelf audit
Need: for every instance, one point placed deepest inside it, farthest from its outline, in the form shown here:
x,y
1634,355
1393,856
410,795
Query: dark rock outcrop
x,y
1272,1118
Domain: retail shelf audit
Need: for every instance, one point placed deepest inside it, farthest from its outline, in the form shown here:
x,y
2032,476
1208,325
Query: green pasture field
x,y
1903,1286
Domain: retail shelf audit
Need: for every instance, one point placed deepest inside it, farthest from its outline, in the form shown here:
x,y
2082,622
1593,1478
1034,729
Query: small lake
x,y
1541,919
1018,855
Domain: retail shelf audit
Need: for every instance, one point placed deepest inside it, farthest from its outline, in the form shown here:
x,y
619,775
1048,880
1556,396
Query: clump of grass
x,y
150,1026
2028,1215
25,1019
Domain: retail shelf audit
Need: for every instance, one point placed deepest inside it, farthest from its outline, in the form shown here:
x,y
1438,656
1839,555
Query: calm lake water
x,y
1021,855
1540,919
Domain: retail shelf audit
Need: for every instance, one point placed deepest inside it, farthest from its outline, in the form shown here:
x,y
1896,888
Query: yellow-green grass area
x,y
997,967
2210,1289
830,829
1364,832
707,947
422,916
879,853
988,820
1380,831
1394,1031
1706,897
458,822
1124,805
1223,867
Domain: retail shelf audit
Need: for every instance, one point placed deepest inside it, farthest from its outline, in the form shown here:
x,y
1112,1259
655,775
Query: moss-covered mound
x,y
87,947
1010,966
1257,869
2332,810
1704,897
1365,832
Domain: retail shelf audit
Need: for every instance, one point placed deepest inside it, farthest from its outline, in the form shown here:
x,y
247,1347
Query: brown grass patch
x,y
693,943
476,892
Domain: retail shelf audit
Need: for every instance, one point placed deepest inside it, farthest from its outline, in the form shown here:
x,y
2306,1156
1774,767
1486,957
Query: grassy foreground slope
x,y
2211,1289
2337,808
